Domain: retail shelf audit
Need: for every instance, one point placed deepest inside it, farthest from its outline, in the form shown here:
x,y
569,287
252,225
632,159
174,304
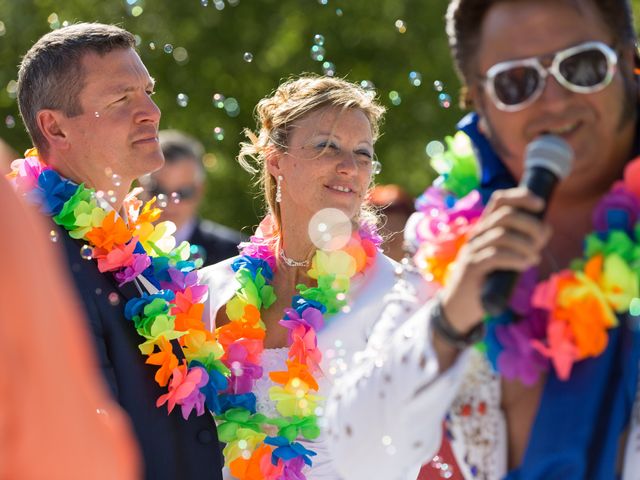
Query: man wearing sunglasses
x,y
529,68
180,183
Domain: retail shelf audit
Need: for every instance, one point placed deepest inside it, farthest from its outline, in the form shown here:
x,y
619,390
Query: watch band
x,y
448,333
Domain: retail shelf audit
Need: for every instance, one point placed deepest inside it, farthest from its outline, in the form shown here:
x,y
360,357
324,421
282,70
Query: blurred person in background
x,y
397,206
180,184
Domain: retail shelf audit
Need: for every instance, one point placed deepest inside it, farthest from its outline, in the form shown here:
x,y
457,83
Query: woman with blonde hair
x,y
300,298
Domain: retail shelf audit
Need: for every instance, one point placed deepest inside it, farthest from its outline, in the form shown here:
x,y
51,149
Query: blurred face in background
x,y
181,181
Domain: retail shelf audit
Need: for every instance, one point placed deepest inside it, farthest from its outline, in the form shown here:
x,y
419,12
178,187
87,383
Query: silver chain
x,y
291,262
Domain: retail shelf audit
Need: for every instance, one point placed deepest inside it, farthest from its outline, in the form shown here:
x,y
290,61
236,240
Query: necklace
x,y
169,321
266,448
553,323
291,262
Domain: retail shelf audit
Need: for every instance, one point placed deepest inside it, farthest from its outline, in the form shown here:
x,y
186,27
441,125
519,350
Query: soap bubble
x,y
182,99
86,252
330,229
415,79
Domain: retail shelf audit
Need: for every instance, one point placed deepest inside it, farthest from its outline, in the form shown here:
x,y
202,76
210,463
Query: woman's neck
x,y
295,243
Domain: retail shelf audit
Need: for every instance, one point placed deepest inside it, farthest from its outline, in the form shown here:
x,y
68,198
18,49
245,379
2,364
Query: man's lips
x,y
153,138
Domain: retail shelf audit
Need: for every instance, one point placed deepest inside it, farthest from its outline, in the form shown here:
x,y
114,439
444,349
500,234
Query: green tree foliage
x,y
196,48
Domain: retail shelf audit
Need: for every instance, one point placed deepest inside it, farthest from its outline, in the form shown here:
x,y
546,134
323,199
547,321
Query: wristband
x,y
448,333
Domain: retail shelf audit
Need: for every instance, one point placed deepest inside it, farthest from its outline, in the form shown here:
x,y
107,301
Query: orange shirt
x,y
56,418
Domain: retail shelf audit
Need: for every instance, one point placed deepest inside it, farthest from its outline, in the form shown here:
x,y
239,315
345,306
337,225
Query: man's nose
x,y
149,111
554,94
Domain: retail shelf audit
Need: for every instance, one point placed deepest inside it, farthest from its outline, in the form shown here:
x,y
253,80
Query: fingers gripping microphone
x,y
548,159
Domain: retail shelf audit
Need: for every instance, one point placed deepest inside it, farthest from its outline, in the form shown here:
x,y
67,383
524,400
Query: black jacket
x,y
219,242
172,448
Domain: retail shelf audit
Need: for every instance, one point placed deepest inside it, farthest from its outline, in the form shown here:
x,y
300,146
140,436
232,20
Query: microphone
x,y
548,159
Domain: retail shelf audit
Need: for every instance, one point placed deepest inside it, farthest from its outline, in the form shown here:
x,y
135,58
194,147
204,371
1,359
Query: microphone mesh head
x,y
550,152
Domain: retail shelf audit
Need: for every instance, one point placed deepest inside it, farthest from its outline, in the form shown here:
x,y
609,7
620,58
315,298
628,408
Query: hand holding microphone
x,y
548,159
508,238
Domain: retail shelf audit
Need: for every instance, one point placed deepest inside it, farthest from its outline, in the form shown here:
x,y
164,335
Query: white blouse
x,y
385,415
343,334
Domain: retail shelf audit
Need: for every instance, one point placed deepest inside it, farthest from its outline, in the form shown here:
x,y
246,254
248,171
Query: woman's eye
x,y
327,145
364,154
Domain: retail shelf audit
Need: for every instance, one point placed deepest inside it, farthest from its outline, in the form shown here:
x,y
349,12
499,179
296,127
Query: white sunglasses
x,y
585,68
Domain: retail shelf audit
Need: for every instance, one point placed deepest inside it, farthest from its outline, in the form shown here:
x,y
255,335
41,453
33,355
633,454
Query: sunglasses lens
x,y
516,85
588,68
186,193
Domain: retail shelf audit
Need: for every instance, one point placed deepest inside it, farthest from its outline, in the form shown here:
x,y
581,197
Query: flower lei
x,y
556,322
252,451
173,316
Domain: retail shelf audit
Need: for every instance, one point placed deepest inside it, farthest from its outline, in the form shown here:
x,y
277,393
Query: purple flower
x,y
468,207
195,399
139,265
311,319
518,358
180,281
433,197
293,469
27,172
368,231
257,247
243,373
446,214
618,210
521,299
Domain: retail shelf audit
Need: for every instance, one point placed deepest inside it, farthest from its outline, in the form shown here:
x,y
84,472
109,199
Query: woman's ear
x,y
273,158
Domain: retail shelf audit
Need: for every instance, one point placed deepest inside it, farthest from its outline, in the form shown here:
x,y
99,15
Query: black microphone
x,y
548,159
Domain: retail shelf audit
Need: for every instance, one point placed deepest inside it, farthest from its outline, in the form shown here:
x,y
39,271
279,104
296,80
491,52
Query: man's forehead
x,y
117,68
513,30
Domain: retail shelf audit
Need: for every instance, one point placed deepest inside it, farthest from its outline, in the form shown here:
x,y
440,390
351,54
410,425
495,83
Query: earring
x,y
279,189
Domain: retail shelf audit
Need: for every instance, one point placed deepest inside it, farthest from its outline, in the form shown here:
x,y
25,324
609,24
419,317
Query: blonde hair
x,y
292,100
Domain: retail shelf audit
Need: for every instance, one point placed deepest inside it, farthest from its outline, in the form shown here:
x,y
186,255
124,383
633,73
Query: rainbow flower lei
x,y
167,319
266,448
556,322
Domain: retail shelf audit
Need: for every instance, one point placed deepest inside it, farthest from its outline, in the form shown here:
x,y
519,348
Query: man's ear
x,y
273,158
476,100
51,125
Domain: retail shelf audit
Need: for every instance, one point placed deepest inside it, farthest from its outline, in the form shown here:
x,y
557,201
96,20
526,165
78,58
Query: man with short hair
x,y
181,182
553,393
85,98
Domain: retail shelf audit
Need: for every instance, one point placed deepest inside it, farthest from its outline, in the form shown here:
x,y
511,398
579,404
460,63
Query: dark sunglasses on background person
x,y
184,193
585,68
